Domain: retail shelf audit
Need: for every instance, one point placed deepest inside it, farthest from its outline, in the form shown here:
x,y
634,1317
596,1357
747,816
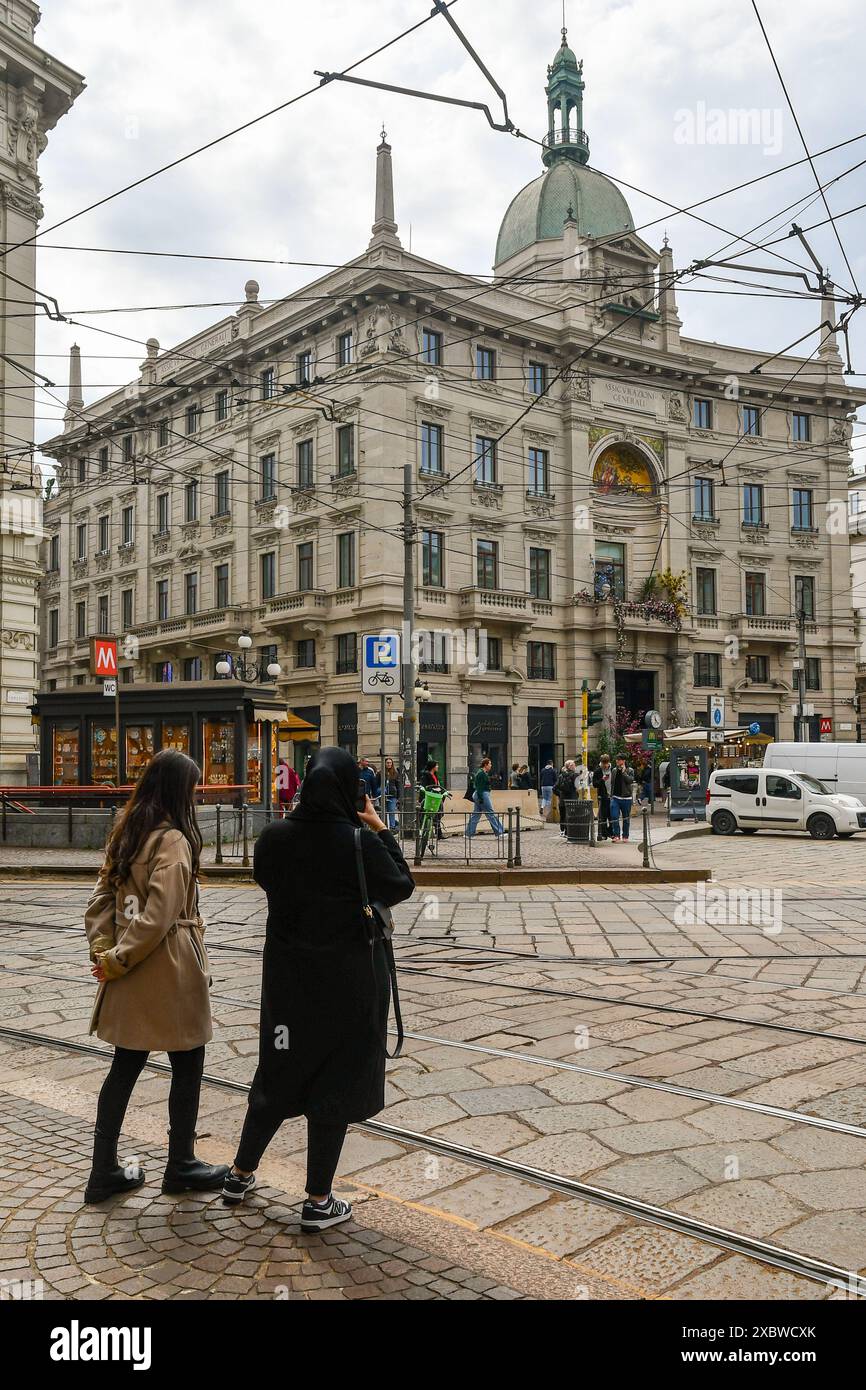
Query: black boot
x,y
186,1173
107,1177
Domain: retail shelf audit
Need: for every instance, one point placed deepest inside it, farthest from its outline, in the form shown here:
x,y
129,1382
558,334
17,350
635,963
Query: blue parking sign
x,y
381,672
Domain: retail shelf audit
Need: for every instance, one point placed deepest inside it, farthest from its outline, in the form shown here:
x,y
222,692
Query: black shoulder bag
x,y
380,927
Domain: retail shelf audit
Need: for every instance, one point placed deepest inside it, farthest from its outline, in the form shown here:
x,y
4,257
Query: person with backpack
x,y
621,797
566,791
483,802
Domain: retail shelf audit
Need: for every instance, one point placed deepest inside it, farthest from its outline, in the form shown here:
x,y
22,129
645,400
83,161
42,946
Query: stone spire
x,y
384,226
75,399
828,352
671,323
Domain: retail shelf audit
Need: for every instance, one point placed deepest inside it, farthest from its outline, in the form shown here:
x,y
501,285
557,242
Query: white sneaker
x,y
318,1216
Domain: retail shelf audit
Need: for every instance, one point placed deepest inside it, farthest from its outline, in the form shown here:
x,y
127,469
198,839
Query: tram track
x,y
766,1252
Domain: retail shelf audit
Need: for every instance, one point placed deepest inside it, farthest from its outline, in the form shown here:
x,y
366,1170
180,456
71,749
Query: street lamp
x,y
244,670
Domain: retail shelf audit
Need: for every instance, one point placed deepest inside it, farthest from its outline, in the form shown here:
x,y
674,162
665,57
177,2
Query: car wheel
x,y
821,827
749,829
724,823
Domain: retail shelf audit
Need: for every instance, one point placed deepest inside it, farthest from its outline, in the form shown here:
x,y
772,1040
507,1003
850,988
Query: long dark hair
x,y
164,795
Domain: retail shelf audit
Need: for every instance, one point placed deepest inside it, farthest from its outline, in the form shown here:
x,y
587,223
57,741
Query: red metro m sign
x,y
103,656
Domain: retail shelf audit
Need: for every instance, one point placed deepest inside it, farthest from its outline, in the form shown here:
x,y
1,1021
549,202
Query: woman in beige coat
x,y
147,952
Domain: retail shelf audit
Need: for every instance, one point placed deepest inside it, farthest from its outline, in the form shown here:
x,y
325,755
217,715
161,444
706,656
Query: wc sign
x,y
103,656
381,673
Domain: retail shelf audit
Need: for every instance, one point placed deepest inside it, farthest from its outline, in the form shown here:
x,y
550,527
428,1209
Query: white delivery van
x,y
755,798
840,766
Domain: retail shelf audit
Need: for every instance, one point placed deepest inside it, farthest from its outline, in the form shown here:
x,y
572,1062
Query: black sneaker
x,y
318,1216
235,1188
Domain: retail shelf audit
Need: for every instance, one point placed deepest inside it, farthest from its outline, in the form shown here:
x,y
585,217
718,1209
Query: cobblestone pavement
x,y
766,1176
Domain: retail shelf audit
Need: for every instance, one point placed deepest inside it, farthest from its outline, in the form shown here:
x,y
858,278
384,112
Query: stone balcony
x,y
195,627
502,605
301,607
767,628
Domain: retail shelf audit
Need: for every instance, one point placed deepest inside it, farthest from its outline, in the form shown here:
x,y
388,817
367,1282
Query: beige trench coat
x,y
149,939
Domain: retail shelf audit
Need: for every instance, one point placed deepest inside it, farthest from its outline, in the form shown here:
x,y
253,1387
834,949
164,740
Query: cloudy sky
x,y
167,76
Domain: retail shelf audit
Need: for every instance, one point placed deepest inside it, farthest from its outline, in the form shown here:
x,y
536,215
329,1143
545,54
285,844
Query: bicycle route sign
x,y
381,672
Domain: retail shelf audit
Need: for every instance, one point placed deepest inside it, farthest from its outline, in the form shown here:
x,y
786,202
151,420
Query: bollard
x,y
510,846
517,859
3,799
69,821
245,861
645,838
218,858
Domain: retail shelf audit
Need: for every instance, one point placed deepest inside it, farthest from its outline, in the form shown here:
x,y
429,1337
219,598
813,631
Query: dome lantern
x,y
565,138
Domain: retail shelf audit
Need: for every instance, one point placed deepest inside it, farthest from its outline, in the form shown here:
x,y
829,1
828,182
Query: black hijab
x,y
330,788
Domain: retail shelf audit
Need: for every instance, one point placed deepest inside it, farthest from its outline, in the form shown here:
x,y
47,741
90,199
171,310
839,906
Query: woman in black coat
x,y
325,989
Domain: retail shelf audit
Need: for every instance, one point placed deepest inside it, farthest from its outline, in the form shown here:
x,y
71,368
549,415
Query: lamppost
x,y
243,670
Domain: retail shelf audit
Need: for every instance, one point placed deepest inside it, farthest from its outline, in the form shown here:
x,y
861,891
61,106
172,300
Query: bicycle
x,y
432,802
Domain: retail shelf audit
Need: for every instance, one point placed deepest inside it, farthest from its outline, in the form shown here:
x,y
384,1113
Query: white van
x,y
840,766
755,798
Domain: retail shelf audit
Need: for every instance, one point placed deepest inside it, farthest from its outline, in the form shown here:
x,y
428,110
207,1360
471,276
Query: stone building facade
x,y
569,445
35,91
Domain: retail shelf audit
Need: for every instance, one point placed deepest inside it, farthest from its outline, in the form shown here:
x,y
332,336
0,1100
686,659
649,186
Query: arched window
x,y
621,470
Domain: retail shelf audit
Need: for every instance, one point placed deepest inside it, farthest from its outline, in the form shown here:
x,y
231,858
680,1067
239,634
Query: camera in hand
x,y
361,802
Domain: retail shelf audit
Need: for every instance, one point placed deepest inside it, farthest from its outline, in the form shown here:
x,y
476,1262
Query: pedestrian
x,y
430,778
601,780
513,775
548,782
645,792
147,953
524,780
566,792
483,801
391,791
621,795
325,987
288,783
368,774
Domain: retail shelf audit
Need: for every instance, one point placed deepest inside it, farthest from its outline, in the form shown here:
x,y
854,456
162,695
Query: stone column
x,y
679,688
608,675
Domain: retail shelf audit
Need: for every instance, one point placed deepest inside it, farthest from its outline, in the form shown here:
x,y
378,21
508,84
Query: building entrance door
x,y
635,692
488,738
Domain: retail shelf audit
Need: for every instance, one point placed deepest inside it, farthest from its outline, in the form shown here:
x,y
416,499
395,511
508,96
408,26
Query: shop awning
x,y
269,716
297,729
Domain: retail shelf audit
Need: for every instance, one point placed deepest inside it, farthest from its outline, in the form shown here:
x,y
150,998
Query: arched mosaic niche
x,y
621,470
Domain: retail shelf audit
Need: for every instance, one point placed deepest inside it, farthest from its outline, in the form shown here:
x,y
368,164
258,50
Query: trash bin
x,y
579,822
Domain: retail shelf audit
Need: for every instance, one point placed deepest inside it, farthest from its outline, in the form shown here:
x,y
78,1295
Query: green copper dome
x,y
540,209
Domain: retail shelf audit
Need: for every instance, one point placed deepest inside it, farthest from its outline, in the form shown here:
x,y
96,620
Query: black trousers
x,y
183,1097
324,1144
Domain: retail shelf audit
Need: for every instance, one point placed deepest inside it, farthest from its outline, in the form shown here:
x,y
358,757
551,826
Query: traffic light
x,y
594,708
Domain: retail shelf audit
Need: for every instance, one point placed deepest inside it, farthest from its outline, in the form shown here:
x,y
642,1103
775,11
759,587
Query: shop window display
x,y
139,749
65,755
218,741
103,754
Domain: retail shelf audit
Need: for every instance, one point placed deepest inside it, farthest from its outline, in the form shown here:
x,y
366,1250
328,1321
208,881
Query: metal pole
x,y
383,798
517,859
800,732
584,739
645,838
218,857
510,855
245,833
409,754
117,720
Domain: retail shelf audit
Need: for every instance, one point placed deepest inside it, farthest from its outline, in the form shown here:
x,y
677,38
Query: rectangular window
x,y
126,612
191,501
485,459
221,493
53,626
268,570
103,459
161,600
753,504
539,573
541,661
704,501
346,560
304,368
267,657
487,564
705,591
128,448
221,586
54,553
268,383
537,378
304,456
126,675
269,477
751,420
347,653
102,626
433,655
81,618
801,427
190,592
192,668
221,406
104,534
802,499
345,450
758,669
82,470
192,419
127,526
485,363
431,347
707,669
305,653
345,349
162,513
431,448
305,565
702,414
610,569
804,594
756,594
494,653
432,552
813,673
81,541
539,472
162,434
